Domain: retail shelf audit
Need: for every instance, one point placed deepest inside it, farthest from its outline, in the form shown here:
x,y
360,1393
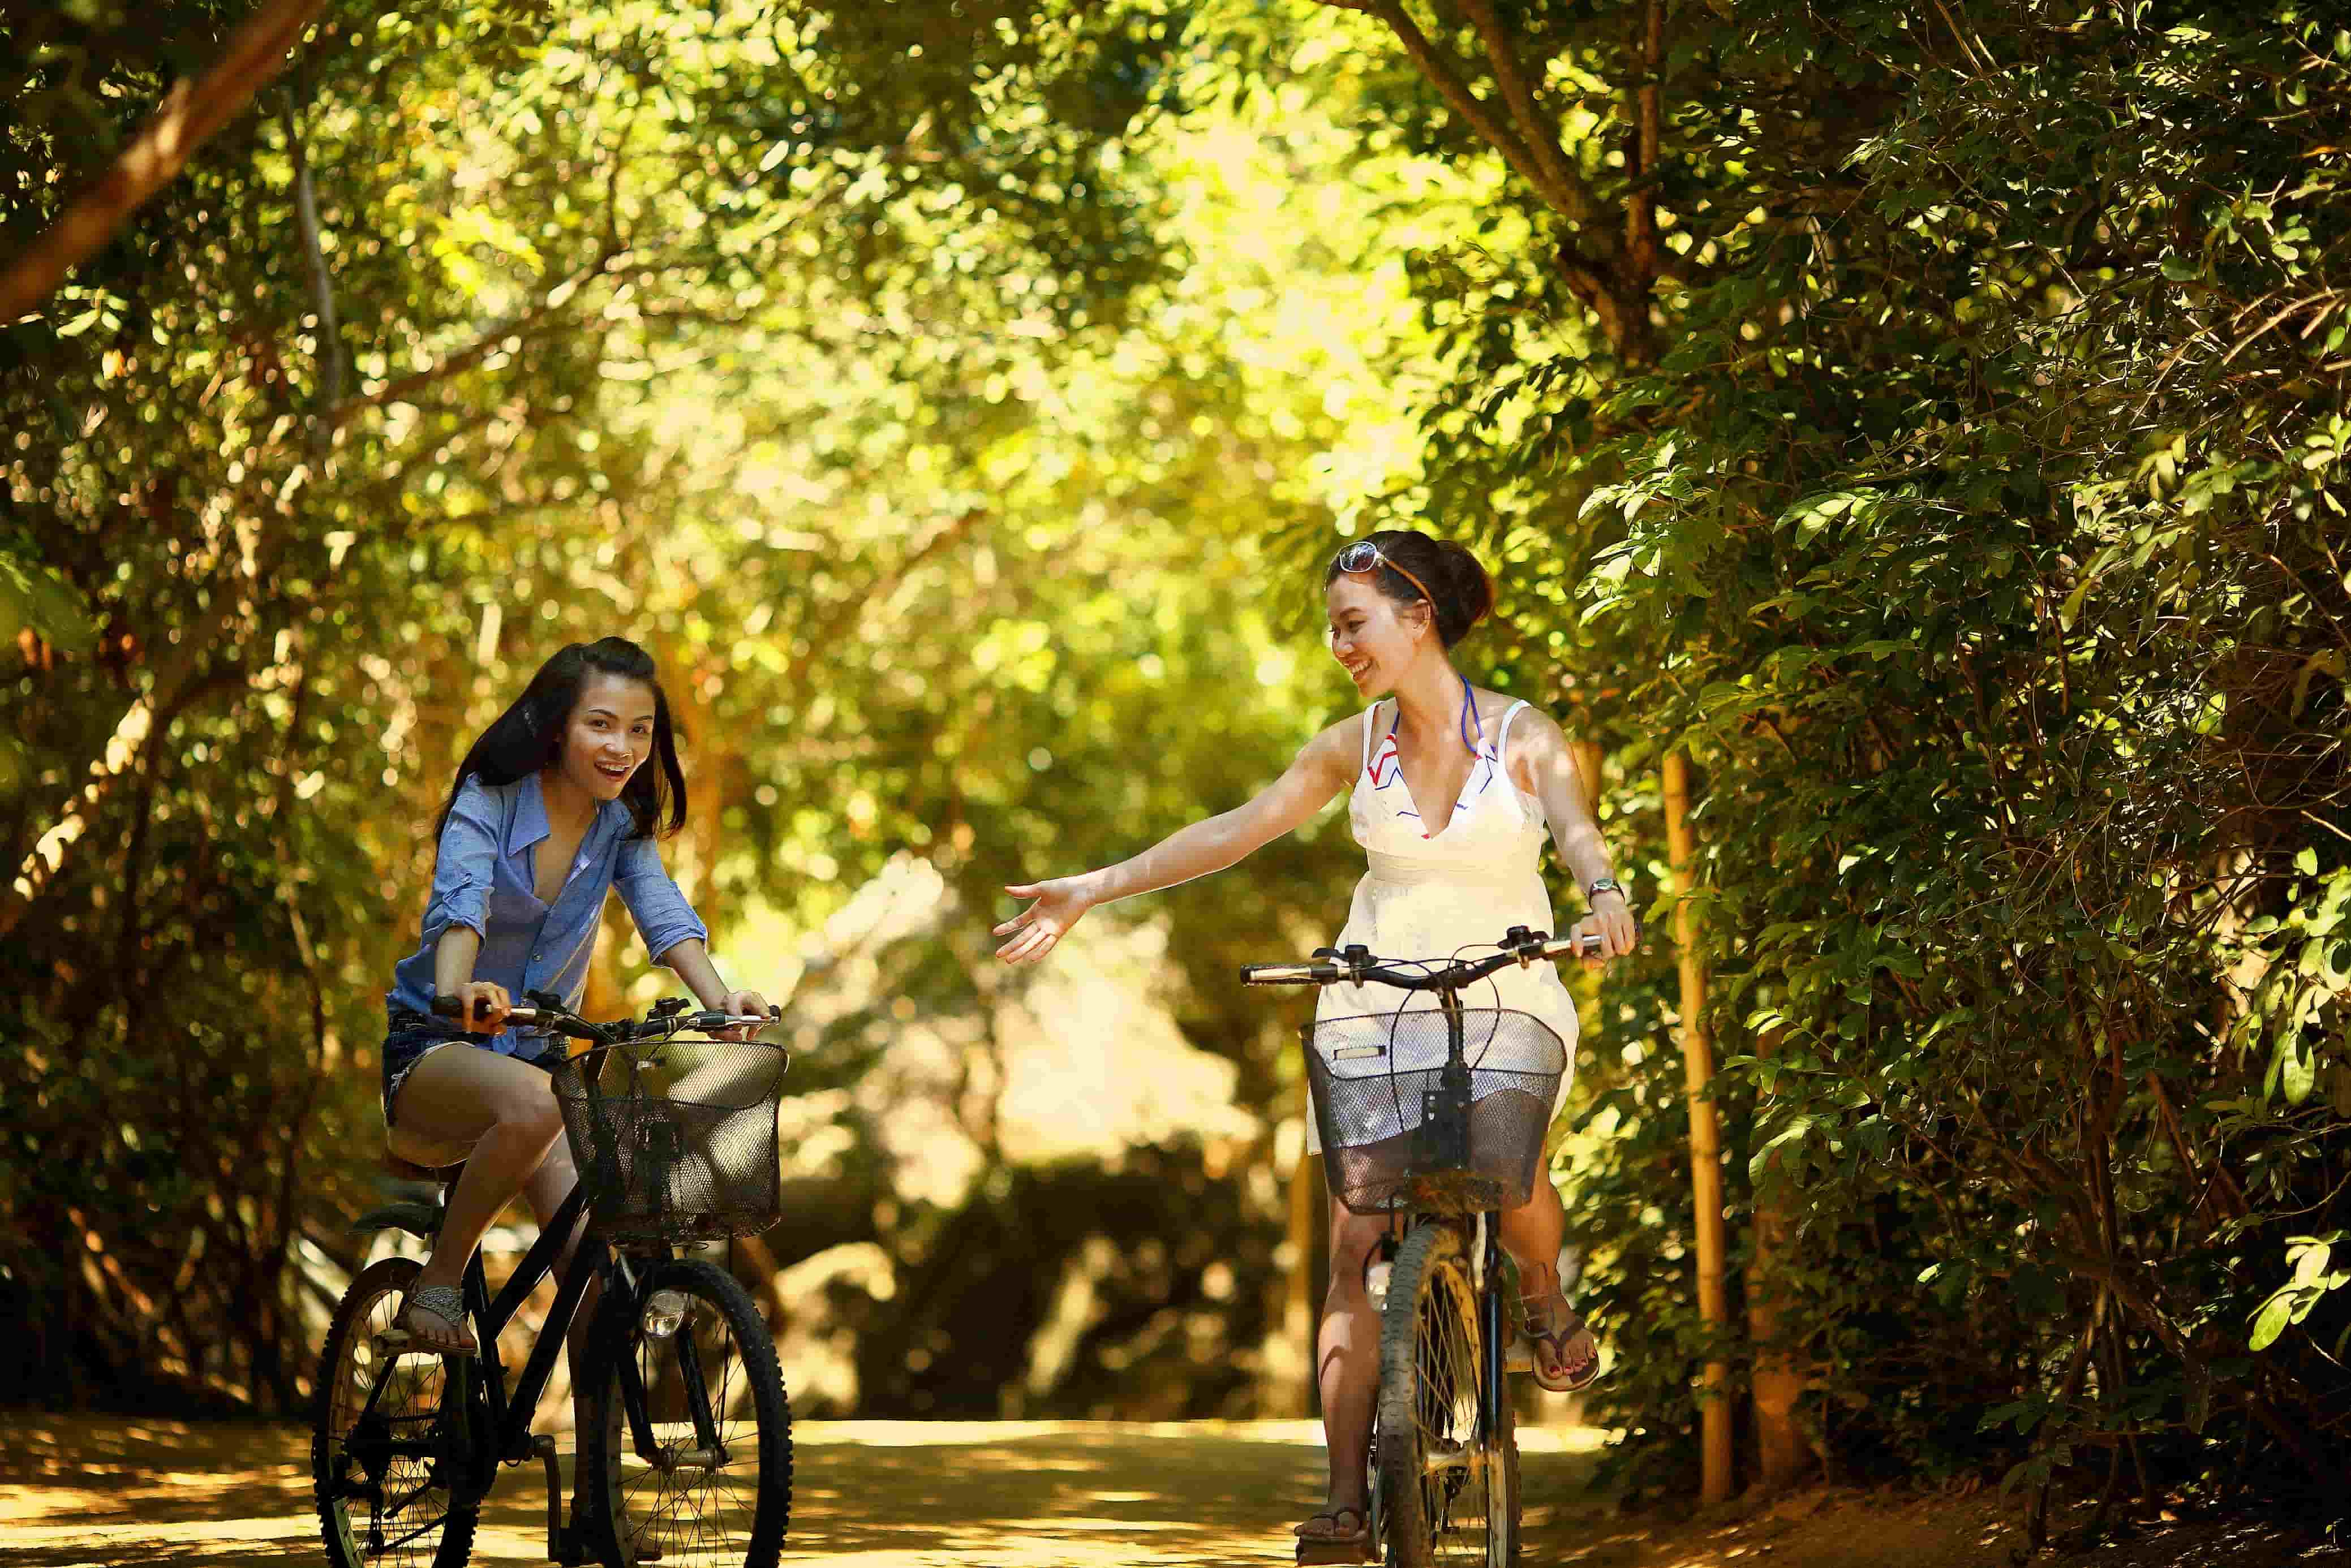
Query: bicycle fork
x,y
1493,1320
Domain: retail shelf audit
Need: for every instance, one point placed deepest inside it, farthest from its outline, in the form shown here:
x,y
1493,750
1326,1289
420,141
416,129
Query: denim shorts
x,y
415,1035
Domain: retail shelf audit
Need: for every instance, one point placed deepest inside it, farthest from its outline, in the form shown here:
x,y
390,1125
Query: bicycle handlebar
x,y
547,1012
1356,965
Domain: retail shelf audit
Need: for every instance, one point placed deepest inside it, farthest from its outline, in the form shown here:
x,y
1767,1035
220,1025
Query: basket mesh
x,y
1369,1074
678,1135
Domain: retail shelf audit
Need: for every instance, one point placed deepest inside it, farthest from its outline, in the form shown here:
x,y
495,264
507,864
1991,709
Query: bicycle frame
x,y
509,1417
509,1421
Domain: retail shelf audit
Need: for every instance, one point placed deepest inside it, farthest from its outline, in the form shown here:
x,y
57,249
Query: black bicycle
x,y
687,1437
1435,1117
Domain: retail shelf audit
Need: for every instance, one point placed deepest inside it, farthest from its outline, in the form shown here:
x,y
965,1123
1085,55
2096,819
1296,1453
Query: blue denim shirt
x,y
482,877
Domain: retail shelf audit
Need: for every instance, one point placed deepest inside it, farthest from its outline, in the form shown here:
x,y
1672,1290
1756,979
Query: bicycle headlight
x,y
664,1314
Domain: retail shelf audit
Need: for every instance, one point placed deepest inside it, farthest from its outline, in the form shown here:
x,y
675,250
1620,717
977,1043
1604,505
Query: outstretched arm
x,y
1324,767
1539,747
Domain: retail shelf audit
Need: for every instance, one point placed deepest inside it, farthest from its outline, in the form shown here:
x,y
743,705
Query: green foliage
x,y
816,368
1975,528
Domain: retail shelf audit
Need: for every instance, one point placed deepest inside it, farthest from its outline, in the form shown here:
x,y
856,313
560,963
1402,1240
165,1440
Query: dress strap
x,y
1370,721
1502,740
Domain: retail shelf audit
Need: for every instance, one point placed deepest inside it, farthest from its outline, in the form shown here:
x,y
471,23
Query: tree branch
x,y
322,286
1519,94
1571,202
191,114
1617,297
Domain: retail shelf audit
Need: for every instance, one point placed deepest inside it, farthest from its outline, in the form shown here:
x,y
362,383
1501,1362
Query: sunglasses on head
x,y
1362,555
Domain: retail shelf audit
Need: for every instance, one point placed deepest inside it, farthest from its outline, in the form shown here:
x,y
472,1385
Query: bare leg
x,y
1347,1365
1532,1234
500,1111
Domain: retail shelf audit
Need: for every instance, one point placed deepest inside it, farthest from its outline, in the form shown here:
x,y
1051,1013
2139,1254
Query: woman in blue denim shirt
x,y
553,808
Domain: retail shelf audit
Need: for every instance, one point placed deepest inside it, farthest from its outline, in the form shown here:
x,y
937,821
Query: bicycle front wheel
x,y
688,1429
386,1439
1448,1486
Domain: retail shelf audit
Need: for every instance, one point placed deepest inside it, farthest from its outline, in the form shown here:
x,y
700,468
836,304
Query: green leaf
x,y
2297,1068
2272,1319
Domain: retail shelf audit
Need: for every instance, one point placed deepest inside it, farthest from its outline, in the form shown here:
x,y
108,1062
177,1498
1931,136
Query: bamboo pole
x,y
1705,1136
191,113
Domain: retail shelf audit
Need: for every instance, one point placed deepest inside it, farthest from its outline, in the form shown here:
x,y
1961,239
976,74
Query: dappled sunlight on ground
x,y
79,1493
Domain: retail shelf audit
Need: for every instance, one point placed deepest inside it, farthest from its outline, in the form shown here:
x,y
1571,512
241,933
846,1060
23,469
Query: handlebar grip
x,y
522,1017
1289,974
1572,946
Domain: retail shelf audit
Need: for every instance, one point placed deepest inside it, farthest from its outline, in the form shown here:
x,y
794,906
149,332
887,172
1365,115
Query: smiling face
x,y
608,735
1373,638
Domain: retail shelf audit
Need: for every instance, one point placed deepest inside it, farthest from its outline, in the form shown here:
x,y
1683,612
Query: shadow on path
x,y
78,1492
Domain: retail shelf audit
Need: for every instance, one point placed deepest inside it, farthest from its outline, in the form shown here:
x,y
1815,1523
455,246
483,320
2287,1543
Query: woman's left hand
x,y
1612,920
743,1005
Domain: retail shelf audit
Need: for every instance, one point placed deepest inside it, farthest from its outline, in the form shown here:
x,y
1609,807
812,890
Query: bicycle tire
x,y
349,1367
1428,1408
625,1513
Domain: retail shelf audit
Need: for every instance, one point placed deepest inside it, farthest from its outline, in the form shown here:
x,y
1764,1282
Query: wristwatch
x,y
1600,885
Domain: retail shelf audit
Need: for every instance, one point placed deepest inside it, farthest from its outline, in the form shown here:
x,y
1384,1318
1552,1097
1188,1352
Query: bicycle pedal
x,y
395,1343
1317,1554
563,1547
559,1543
564,1550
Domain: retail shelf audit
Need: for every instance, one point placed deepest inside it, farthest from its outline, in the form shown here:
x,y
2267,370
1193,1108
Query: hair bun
x,y
1471,589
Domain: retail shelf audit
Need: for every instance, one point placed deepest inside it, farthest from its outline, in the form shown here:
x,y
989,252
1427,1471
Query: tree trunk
x,y
1704,1137
190,115
1783,1455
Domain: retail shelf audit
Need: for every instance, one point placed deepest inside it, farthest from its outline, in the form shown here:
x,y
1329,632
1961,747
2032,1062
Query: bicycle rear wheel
x,y
1448,1488
708,1478
385,1445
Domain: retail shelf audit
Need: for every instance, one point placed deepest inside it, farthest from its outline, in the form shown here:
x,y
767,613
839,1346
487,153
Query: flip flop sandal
x,y
1564,1324
1338,1546
446,1303
1556,1340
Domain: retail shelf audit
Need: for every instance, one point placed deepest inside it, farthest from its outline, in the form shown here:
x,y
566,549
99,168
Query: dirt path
x,y
886,1494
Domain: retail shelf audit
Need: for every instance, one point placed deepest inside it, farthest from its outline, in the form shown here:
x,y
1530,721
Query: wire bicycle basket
x,y
1403,1133
677,1136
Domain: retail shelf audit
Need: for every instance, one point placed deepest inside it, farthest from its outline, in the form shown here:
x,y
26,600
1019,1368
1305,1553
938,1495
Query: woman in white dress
x,y
1451,789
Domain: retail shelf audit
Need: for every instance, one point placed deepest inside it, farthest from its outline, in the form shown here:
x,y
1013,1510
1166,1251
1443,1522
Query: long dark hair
x,y
528,736
1460,594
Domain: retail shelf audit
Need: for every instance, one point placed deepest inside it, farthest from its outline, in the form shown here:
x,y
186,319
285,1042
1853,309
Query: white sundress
x,y
1427,894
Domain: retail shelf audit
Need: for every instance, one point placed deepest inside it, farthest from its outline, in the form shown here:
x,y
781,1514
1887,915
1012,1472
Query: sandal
x,y
1320,1543
1544,1337
446,1303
